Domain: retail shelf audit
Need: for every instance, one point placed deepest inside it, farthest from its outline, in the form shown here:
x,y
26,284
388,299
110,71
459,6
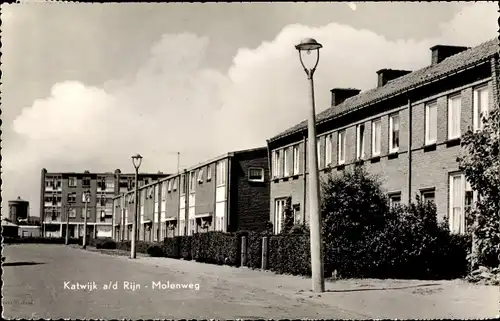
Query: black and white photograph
x,y
250,160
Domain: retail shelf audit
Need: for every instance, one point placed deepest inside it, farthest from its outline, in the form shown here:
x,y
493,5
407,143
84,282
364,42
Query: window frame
x,y
476,118
451,201
392,117
427,139
209,173
286,169
341,147
74,180
452,116
393,195
328,149
200,175
296,160
375,122
260,169
360,141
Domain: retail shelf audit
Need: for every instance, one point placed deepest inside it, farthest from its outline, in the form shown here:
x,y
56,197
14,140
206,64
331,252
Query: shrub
x,y
289,254
216,247
155,250
171,247
123,245
185,247
106,243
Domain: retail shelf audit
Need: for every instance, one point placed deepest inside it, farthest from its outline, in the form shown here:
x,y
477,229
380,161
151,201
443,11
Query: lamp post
x,y
86,196
68,209
136,161
318,283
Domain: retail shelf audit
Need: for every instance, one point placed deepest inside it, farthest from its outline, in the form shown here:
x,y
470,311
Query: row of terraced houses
x,y
407,130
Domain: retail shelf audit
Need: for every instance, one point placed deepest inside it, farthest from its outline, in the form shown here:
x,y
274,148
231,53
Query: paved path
x,y
34,279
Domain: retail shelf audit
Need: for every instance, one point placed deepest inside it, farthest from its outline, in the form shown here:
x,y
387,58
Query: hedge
x,y
40,240
289,254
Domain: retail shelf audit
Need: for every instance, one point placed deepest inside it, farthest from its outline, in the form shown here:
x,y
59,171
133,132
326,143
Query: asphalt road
x,y
35,275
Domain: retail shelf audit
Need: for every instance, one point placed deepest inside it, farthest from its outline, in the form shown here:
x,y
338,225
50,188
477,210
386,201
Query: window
x,y
83,213
279,207
341,147
49,183
72,181
183,184
454,110
86,182
296,160
101,183
84,200
200,175
209,173
221,173
163,191
393,133
150,192
71,197
481,106
169,185
394,199
360,141
276,163
174,183
461,198
255,174
72,212
296,214
376,136
428,195
286,152
192,181
328,150
430,123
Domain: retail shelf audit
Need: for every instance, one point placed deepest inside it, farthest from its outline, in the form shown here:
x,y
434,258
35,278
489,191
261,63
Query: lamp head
x,y
308,44
137,160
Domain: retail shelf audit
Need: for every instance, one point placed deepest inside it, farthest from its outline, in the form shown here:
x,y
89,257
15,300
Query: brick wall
x,y
430,168
249,203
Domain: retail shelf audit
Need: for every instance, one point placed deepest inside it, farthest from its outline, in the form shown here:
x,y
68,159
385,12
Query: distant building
x,y
62,194
227,193
9,229
18,210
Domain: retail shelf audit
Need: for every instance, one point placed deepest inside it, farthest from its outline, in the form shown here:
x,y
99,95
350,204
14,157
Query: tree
x,y
480,161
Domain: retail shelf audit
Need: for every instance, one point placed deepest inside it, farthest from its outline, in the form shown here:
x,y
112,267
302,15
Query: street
x,y
54,281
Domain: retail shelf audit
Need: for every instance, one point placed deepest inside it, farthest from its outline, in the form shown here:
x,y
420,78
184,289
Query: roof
x,y
455,63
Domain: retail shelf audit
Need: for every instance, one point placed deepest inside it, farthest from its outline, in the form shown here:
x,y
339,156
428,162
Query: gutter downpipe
x,y
305,179
410,133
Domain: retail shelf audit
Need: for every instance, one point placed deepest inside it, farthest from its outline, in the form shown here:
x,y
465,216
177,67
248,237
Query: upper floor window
x,y
71,197
376,137
169,185
164,190
183,184
481,106
255,174
86,182
200,175
360,141
192,181
209,173
221,173
174,183
430,123
393,133
296,160
72,181
342,147
454,111
286,168
318,151
276,163
328,150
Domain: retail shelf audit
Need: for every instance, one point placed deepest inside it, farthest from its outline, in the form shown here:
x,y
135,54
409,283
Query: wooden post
x,y
243,251
265,241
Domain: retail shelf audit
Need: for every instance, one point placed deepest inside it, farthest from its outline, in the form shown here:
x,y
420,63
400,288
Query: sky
x,y
86,86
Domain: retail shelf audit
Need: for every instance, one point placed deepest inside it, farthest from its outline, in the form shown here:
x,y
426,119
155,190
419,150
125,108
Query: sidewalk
x,y
367,298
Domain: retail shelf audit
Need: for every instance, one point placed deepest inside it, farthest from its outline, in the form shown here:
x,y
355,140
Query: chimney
x,y
386,75
341,94
441,52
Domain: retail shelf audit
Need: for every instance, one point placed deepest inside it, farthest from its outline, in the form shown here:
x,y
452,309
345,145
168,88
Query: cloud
x,y
174,103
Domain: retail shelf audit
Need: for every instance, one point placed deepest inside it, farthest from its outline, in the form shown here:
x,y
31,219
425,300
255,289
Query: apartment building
x,y
227,193
62,195
407,130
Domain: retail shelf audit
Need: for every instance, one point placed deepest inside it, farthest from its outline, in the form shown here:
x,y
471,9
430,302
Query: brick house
x,y
407,130
62,195
227,193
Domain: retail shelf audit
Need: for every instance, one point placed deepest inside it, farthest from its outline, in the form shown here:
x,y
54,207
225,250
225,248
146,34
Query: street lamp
x,y
318,283
86,196
136,161
68,209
